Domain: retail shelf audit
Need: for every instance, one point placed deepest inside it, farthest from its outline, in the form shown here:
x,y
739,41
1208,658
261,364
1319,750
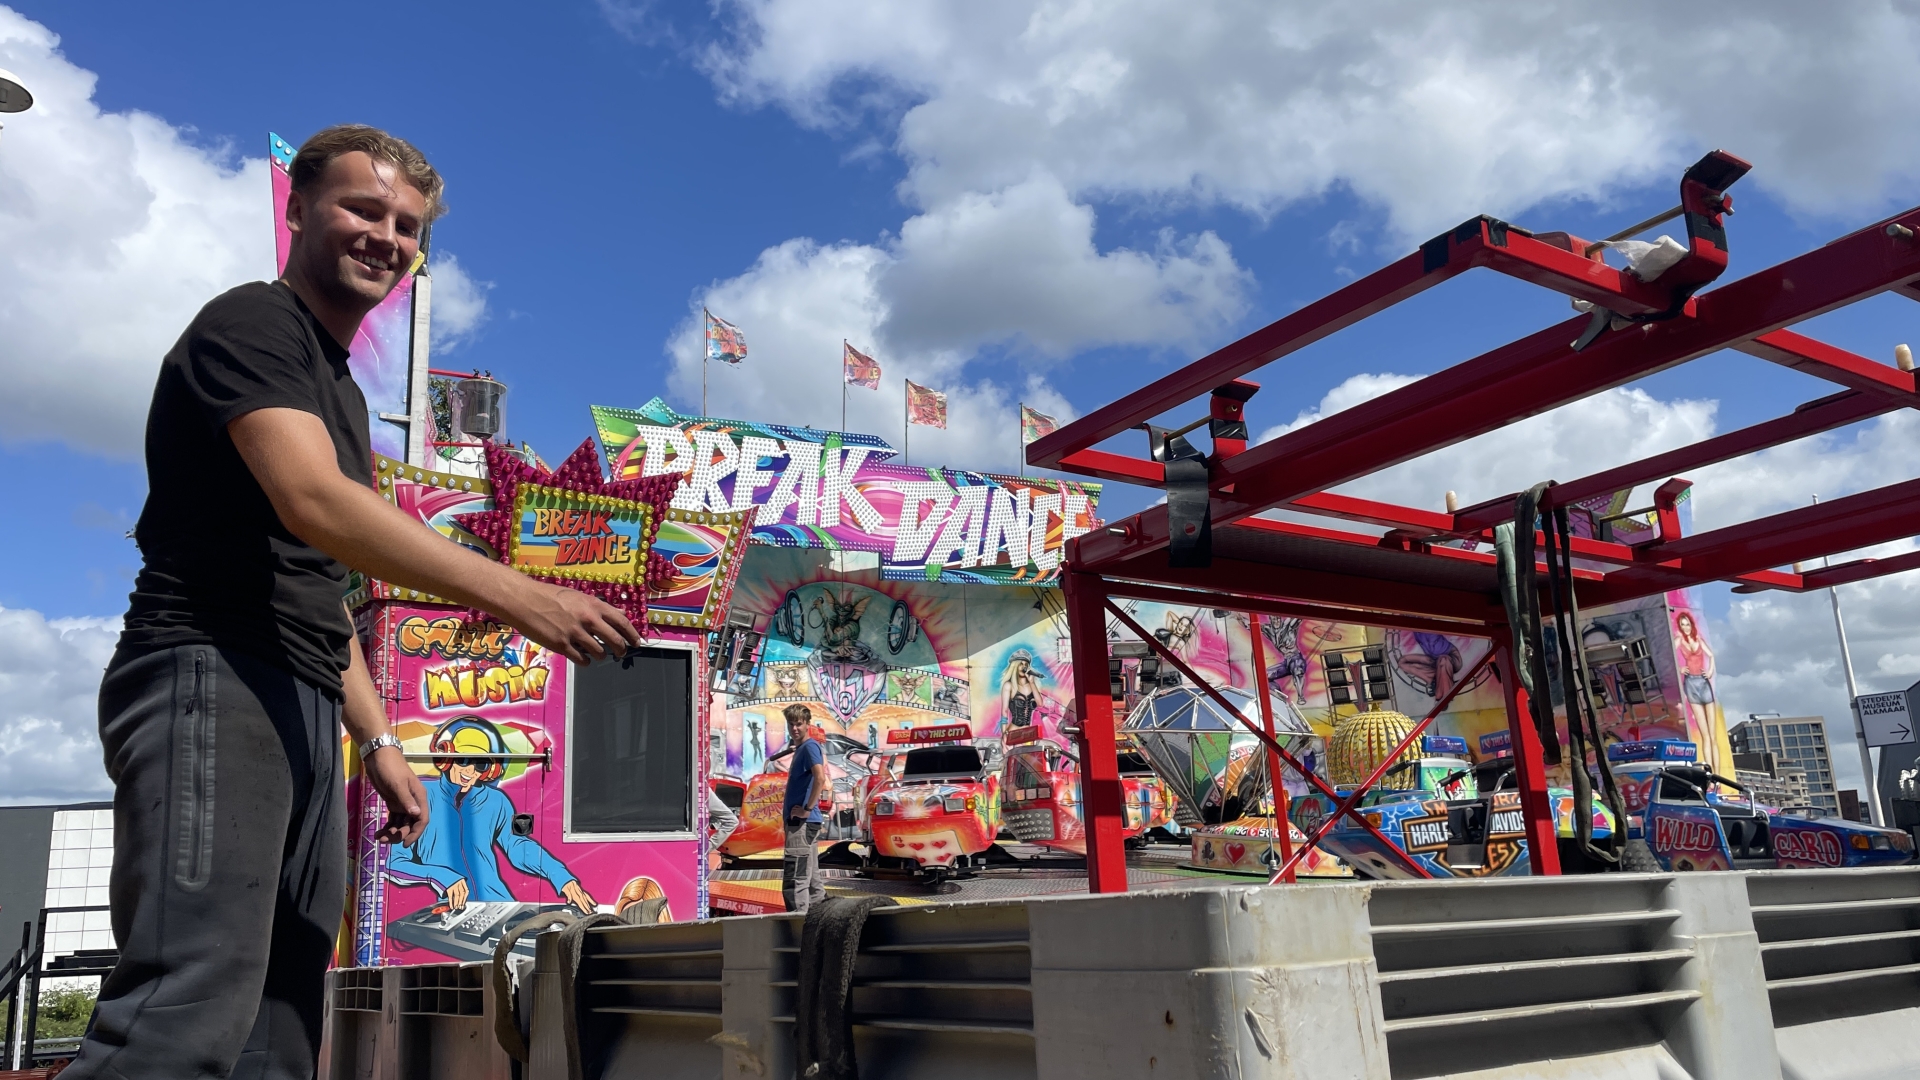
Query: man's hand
x,y
400,789
457,895
577,626
578,897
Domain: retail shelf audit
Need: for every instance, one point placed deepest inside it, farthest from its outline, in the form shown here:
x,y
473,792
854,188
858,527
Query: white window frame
x,y
695,748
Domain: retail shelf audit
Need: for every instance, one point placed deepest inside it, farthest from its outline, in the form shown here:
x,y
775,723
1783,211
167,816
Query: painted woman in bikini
x,y
1696,684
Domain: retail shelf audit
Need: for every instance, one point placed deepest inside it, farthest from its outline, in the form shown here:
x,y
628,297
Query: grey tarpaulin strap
x,y
1513,551
572,939
823,1017
1583,723
506,1018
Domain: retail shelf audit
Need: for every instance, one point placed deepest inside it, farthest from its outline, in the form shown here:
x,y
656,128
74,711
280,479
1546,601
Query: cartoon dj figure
x,y
469,816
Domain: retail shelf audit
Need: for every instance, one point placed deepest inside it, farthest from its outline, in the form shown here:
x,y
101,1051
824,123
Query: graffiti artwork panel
x,y
481,713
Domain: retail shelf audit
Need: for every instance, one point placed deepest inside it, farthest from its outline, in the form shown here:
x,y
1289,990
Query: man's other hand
x,y
457,895
400,788
575,625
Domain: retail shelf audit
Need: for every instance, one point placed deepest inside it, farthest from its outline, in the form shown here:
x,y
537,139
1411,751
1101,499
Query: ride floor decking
x,y
753,888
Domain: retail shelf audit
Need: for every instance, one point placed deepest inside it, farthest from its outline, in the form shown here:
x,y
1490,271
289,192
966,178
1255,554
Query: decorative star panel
x,y
521,491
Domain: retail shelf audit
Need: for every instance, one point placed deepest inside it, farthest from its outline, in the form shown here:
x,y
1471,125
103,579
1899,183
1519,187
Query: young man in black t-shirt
x,y
221,711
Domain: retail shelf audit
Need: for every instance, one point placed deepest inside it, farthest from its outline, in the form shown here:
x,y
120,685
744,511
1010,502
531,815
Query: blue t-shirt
x,y
800,780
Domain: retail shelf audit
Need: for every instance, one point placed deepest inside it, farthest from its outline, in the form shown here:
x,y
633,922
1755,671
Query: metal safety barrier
x,y
1795,975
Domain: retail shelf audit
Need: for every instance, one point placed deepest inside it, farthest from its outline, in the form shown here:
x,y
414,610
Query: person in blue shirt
x,y
800,882
469,816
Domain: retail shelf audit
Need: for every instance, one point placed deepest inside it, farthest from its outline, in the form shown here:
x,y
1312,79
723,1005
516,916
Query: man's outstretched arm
x,y
292,457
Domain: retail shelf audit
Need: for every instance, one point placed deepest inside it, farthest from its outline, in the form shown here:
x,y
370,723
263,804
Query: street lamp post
x,y
1868,779
14,97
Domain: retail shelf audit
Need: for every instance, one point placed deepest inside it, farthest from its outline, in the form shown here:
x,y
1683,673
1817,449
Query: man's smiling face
x,y
357,229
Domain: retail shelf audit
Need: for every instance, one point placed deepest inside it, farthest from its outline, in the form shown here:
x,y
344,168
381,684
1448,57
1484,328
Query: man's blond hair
x,y
328,143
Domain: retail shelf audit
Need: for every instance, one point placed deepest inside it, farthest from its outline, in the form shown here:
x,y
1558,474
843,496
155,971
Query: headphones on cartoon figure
x,y
445,740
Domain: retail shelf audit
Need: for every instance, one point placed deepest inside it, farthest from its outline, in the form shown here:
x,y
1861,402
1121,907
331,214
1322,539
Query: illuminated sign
x,y
840,491
936,733
574,527
570,534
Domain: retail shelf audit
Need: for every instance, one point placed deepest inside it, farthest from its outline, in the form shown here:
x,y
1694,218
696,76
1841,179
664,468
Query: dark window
x,y
632,761
943,761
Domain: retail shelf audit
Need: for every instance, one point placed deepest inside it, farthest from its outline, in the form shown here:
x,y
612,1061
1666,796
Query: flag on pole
x,y
1035,425
725,342
859,368
925,407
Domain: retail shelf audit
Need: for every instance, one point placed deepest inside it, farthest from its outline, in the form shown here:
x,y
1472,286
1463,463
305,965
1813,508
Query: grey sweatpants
x,y
800,882
229,868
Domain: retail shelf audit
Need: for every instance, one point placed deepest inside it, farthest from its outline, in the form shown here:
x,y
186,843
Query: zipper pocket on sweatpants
x,y
193,857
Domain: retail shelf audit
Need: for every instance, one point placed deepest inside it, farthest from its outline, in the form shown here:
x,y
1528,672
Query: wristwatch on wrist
x,y
367,748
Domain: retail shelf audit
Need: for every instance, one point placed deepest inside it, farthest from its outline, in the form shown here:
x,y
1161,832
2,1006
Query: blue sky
x,y
1011,201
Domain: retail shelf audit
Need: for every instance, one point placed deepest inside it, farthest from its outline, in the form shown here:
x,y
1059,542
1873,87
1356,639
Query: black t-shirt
x,y
220,568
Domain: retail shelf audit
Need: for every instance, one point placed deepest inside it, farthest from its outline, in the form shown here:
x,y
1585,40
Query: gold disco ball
x,y
1361,742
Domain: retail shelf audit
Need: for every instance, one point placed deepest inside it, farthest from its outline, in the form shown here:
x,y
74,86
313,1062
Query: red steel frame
x,y
1265,566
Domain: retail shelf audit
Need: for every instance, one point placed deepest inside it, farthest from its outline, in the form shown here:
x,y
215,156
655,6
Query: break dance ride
x,y
1429,572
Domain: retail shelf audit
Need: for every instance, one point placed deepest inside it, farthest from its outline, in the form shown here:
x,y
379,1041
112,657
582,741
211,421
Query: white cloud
x,y
1020,265
49,685
459,303
114,229
1430,112
1017,268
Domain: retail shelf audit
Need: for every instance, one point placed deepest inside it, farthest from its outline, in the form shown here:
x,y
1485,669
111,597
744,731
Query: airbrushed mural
x,y
869,656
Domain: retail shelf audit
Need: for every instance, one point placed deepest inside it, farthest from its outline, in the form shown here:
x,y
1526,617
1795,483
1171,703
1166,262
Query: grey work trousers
x,y
800,882
229,868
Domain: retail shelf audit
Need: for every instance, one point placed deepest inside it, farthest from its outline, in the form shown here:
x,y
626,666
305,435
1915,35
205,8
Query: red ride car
x,y
1040,794
934,810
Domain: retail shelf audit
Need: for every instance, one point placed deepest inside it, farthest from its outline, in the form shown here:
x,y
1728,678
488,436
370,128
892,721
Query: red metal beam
x,y
1541,372
1276,782
1400,280
1812,418
1809,532
1834,364
1368,598
1858,570
1103,806
1543,839
1477,242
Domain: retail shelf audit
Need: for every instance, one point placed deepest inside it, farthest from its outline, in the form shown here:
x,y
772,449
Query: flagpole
x,y
906,425
1020,441
843,384
706,355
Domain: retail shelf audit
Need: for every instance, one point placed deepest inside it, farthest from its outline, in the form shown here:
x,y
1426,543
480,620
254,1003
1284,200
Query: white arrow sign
x,y
1884,718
